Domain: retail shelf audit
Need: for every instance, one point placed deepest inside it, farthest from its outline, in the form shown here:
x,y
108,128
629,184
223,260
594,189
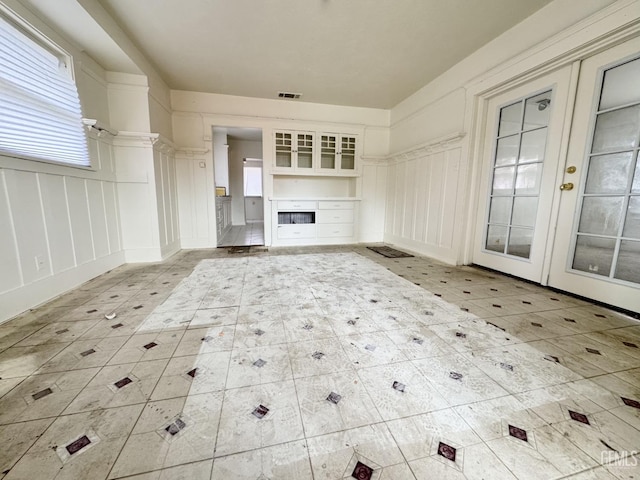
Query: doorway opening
x,y
238,176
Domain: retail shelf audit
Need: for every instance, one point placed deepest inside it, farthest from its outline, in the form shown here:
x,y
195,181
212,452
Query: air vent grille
x,y
289,95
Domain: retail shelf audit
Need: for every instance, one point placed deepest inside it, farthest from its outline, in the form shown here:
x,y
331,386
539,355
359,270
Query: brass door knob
x,y
566,186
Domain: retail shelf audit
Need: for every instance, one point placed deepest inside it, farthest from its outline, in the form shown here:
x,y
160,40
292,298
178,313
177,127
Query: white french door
x,y
596,252
521,154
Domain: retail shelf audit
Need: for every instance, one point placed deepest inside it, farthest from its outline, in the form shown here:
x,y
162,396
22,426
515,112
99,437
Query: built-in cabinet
x,y
315,153
314,222
223,215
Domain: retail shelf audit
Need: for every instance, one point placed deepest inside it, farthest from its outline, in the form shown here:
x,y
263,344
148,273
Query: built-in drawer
x,y
334,216
326,205
296,231
335,230
296,205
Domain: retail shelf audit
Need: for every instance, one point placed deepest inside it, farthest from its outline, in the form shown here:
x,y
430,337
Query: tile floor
x,y
244,235
321,363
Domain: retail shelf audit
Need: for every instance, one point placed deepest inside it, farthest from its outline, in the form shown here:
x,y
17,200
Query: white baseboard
x,y
29,296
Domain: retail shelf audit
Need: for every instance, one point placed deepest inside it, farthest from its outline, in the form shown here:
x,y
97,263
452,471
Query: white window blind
x,y
40,115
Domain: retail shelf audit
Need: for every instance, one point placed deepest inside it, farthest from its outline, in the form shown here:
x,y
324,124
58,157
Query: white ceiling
x,y
370,53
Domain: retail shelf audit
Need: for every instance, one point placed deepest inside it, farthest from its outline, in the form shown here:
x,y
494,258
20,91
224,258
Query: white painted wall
x,y
220,148
433,170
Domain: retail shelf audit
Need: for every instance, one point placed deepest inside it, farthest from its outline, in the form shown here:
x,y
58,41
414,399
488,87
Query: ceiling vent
x,y
289,95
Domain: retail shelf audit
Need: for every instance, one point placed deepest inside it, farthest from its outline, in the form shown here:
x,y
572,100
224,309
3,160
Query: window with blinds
x,y
40,114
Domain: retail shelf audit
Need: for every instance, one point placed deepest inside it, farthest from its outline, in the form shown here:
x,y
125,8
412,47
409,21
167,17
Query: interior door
x,y
522,144
596,252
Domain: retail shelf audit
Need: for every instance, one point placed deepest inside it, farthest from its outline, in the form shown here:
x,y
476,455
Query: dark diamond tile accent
x,y
570,320
468,280
455,375
117,325
193,372
362,472
552,358
121,383
493,289
630,402
42,393
259,363
496,305
318,355
308,326
428,313
461,335
631,345
417,340
467,292
87,352
260,411
208,338
64,330
526,302
593,350
447,451
371,348
334,397
506,366
373,300
494,325
535,324
150,345
79,444
399,386
153,293
443,281
165,283
175,427
138,307
92,311
438,294
351,322
464,309
599,315
114,296
518,433
259,332
554,299
579,417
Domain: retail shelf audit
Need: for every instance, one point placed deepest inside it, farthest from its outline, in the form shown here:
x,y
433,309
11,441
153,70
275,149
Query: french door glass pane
x,y
620,86
610,206
605,172
617,130
628,267
517,172
536,111
601,215
507,150
510,119
594,254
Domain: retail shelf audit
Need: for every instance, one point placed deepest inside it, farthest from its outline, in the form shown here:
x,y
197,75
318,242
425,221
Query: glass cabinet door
x,y
284,150
305,150
328,151
348,153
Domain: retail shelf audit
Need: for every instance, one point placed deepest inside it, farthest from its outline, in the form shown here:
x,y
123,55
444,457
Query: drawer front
x,y
335,216
325,205
335,231
293,205
296,231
